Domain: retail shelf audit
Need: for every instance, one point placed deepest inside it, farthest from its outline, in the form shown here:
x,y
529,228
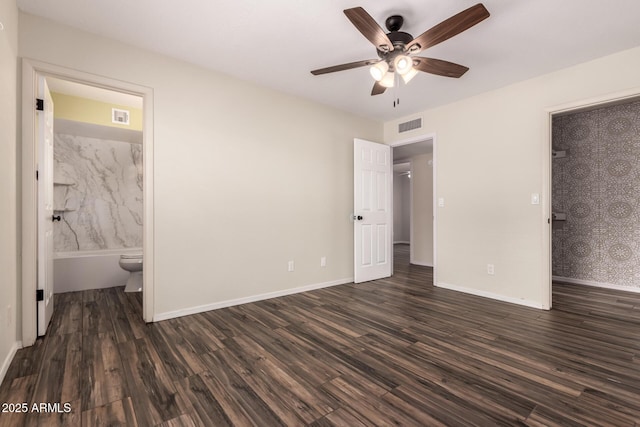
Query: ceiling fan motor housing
x,y
399,39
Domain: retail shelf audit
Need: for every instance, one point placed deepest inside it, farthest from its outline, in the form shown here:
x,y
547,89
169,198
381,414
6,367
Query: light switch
x,y
535,198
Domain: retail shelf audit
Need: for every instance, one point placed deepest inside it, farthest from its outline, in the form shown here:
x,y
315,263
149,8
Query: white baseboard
x,y
7,361
230,303
595,284
424,264
485,294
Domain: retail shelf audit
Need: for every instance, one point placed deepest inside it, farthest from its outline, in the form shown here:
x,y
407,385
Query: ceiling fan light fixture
x,y
402,64
378,70
388,79
397,49
409,75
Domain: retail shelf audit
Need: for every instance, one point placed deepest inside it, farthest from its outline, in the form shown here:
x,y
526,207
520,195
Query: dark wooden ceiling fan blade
x,y
377,89
439,67
369,28
449,28
343,67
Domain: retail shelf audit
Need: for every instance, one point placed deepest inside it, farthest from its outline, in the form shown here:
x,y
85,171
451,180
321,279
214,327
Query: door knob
x,y
55,218
357,218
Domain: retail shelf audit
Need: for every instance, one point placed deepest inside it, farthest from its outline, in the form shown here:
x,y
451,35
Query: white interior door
x,y
373,250
45,207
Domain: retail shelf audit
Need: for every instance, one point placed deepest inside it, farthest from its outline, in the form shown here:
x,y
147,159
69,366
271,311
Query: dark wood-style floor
x,y
389,352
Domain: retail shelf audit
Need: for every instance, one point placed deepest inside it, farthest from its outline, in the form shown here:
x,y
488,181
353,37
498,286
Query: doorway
x,y
97,187
413,200
374,181
595,195
33,72
562,212
415,177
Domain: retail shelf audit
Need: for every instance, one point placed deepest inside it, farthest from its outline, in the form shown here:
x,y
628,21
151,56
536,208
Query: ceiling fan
x,y
397,49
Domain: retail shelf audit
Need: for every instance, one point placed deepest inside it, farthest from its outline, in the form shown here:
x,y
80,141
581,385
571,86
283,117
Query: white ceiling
x,y
277,43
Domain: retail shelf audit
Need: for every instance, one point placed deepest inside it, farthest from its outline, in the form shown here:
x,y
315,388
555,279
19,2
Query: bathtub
x,y
78,271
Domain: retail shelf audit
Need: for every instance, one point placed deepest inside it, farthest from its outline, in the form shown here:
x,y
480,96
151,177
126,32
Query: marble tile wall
x,y
98,193
597,186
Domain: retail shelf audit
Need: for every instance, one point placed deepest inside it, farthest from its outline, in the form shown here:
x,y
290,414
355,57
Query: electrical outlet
x,y
490,269
323,261
9,315
291,266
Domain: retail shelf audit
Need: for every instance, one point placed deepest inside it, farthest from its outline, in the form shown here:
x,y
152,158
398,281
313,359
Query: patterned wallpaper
x,y
597,186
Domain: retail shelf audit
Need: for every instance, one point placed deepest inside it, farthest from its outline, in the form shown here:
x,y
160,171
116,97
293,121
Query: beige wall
x,y
8,165
422,210
246,178
490,161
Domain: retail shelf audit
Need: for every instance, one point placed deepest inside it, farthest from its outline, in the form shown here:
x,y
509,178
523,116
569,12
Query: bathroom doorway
x,y
102,184
97,185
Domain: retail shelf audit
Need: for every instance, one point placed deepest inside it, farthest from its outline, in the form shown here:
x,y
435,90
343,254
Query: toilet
x,y
133,264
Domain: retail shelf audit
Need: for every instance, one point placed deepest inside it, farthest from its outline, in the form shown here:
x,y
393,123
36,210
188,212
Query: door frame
x,y
31,69
547,177
413,140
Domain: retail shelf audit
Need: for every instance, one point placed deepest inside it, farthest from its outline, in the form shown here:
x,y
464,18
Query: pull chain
x,y
396,101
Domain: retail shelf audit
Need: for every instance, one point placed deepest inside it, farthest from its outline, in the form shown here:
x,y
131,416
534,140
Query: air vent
x,y
410,125
119,116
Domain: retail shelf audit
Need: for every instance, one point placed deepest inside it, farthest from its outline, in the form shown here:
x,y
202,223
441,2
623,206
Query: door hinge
x,y
37,175
39,104
39,294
